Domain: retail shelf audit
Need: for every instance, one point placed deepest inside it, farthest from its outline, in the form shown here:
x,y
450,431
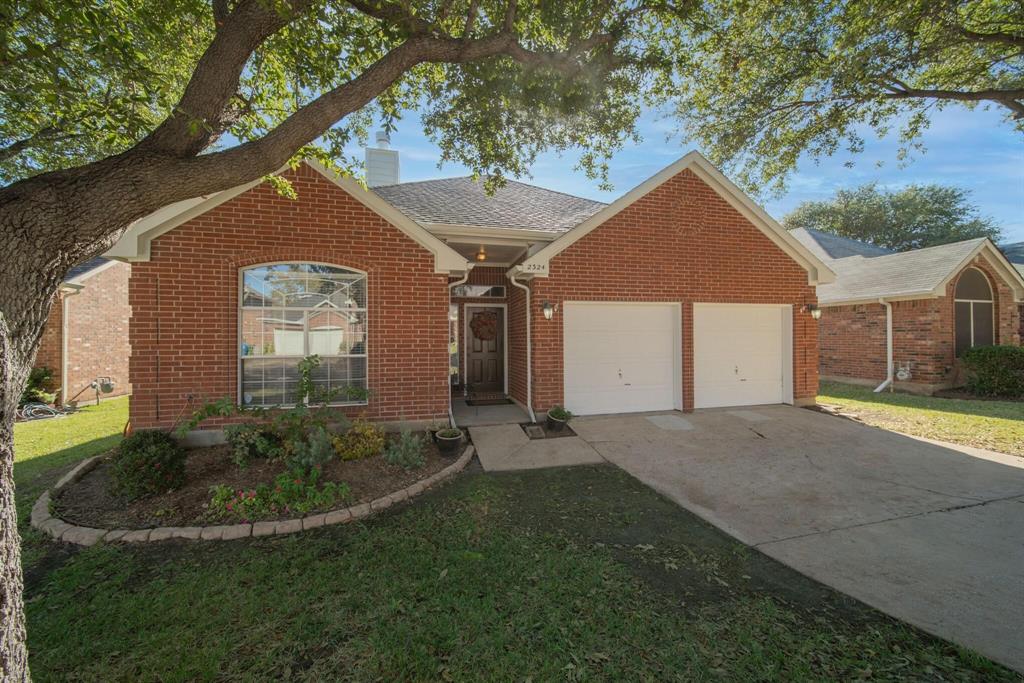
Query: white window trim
x,y
990,301
239,398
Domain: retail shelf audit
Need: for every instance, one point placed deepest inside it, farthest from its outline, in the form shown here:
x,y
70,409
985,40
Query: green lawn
x,y
995,425
561,574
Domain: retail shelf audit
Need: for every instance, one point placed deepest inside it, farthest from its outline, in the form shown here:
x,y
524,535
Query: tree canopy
x,y
768,82
910,218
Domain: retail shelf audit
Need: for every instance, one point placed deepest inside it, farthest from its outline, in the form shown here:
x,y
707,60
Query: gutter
x,y
529,342
448,376
69,290
888,348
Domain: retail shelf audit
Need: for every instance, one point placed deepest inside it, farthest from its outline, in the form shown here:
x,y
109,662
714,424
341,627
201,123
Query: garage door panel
x,y
620,357
738,355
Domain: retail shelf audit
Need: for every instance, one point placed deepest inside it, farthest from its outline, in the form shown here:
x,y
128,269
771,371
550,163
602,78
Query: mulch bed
x,y
89,501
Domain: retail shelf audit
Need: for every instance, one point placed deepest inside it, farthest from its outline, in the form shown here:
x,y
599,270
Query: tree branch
x,y
220,13
47,134
999,37
1007,98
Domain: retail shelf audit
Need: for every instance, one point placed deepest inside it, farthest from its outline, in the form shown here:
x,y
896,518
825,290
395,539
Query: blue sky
x,y
971,149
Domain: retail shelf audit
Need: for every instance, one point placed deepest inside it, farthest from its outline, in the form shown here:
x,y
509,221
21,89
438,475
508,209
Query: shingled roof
x,y
83,268
462,201
868,276
1014,252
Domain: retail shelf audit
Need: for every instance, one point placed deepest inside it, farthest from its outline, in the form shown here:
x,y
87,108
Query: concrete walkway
x,y
506,447
929,534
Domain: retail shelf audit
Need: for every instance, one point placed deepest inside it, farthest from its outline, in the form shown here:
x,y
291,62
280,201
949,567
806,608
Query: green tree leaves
x,y
914,217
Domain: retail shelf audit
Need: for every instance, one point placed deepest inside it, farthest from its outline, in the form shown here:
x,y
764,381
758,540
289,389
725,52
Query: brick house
x,y
681,294
86,333
938,302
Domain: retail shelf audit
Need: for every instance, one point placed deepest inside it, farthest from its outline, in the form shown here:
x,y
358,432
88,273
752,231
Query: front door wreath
x,y
484,325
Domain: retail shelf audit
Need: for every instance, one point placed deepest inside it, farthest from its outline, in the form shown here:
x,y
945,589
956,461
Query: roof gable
x,y
916,274
817,270
134,245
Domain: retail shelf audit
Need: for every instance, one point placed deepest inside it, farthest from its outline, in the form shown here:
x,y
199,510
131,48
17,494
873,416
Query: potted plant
x,y
448,440
557,417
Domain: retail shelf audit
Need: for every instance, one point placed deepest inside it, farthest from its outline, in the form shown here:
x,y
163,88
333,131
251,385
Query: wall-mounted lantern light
x,y
548,309
813,310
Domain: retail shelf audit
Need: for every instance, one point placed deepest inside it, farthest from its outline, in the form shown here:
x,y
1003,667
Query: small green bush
x,y
560,413
362,440
406,451
995,371
38,387
292,493
148,462
251,442
313,451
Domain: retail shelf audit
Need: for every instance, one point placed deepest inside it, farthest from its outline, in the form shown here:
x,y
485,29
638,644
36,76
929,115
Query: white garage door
x,y
621,357
741,354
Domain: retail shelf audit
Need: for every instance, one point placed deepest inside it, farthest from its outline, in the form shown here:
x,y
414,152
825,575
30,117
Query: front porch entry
x,y
486,360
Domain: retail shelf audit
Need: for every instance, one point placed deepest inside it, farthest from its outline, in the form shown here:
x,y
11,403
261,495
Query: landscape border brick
x,y
44,520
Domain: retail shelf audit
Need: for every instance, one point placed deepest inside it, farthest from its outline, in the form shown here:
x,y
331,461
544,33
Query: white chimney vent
x,y
381,162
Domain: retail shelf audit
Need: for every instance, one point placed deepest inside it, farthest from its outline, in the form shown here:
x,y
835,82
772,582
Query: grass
x,y
993,425
561,574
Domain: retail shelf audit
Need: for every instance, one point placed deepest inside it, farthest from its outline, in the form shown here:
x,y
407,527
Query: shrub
x,y
38,386
560,413
362,440
313,451
995,371
148,462
252,441
406,451
292,493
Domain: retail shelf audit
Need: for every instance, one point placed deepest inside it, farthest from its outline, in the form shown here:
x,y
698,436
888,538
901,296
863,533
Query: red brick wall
x,y
49,353
97,329
682,242
853,337
185,300
517,343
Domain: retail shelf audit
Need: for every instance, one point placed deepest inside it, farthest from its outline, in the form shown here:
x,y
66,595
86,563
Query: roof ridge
x,y
934,246
507,180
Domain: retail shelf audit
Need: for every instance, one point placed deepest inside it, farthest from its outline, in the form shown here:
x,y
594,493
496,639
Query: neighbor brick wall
x,y
682,242
185,300
48,355
97,329
853,343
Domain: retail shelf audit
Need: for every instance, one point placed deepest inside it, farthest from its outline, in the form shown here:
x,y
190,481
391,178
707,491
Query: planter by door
x,y
448,445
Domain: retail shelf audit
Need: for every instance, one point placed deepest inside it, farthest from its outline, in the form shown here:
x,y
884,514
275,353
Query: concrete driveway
x,y
930,535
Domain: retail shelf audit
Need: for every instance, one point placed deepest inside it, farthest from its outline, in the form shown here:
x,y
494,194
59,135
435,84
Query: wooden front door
x,y
485,344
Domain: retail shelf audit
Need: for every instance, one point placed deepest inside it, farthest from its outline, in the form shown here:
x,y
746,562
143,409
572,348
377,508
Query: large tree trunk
x,y
16,357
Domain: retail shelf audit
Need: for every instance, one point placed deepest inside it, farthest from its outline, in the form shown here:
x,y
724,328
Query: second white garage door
x,y
621,357
742,354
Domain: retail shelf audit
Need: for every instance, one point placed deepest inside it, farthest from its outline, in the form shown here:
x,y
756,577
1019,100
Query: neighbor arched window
x,y
975,324
293,310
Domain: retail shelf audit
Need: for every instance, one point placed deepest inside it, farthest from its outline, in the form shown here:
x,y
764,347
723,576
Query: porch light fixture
x,y
813,310
548,309
482,254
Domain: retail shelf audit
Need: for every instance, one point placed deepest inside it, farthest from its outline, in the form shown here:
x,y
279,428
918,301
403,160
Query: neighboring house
x,y
86,334
1015,253
939,302
681,294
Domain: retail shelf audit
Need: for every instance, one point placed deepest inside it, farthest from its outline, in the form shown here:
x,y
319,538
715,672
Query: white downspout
x,y
448,377
529,344
889,369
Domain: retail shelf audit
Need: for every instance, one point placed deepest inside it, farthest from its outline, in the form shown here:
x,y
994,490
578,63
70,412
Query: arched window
x,y
975,324
293,310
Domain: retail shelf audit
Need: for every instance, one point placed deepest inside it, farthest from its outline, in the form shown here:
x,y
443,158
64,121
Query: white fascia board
x,y
484,232
860,301
134,243
997,260
817,271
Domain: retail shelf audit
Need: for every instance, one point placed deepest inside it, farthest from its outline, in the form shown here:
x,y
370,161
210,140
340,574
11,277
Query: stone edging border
x,y
56,527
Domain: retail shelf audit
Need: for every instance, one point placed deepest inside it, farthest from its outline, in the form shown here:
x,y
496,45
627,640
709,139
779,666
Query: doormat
x,y
540,431
488,401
